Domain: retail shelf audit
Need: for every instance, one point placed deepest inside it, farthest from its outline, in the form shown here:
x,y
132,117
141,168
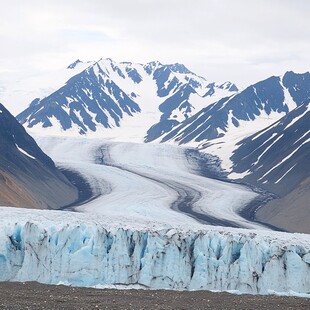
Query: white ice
x,y
140,182
129,235
89,250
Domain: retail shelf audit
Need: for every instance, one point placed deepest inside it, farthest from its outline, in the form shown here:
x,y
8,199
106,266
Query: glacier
x,y
126,237
118,171
92,249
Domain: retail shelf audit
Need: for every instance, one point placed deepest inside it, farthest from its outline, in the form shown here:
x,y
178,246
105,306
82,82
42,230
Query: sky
x,y
242,41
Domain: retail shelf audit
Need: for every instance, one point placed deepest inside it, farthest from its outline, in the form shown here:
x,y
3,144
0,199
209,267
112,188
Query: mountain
x,y
277,159
260,134
108,95
163,103
28,177
254,107
18,89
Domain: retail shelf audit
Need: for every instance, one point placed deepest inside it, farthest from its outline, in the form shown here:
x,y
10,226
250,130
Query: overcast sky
x,y
238,40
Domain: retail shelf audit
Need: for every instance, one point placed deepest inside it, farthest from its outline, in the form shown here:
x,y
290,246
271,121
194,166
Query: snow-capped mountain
x,y
277,159
277,156
18,89
108,95
28,177
163,103
257,106
88,99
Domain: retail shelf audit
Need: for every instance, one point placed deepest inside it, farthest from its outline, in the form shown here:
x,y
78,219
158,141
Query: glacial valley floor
x,y
33,295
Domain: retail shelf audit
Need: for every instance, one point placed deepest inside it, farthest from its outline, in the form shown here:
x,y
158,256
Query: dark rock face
x,y
298,85
12,134
28,177
277,157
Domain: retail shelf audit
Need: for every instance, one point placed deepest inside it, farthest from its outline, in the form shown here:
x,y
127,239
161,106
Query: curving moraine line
x,y
187,196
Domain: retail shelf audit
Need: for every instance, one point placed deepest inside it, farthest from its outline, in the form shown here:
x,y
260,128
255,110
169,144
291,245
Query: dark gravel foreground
x,y
33,295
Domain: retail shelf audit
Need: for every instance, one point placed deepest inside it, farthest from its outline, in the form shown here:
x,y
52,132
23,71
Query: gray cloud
x,y
240,40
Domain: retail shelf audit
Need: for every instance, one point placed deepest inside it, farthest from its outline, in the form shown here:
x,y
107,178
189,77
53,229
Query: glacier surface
x,y
87,250
148,181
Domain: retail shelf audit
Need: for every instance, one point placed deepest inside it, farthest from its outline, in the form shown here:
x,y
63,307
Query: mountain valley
x,y
184,180
248,130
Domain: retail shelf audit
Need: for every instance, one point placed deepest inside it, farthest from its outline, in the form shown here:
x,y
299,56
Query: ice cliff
x,y
53,247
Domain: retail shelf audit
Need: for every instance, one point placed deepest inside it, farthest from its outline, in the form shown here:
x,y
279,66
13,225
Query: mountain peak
x,y
108,60
154,64
74,64
179,68
229,86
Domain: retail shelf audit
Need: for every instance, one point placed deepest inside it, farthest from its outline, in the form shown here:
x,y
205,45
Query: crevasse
x,y
90,254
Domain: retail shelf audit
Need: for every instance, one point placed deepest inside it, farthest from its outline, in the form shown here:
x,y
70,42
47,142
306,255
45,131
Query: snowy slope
x,y
109,95
88,250
219,128
254,108
277,157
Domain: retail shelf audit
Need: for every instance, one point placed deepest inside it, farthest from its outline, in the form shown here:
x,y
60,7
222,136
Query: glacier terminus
x,y
88,250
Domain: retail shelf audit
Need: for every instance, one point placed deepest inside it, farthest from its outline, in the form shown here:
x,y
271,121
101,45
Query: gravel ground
x,y
33,295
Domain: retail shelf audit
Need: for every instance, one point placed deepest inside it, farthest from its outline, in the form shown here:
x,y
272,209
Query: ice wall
x,y
90,254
